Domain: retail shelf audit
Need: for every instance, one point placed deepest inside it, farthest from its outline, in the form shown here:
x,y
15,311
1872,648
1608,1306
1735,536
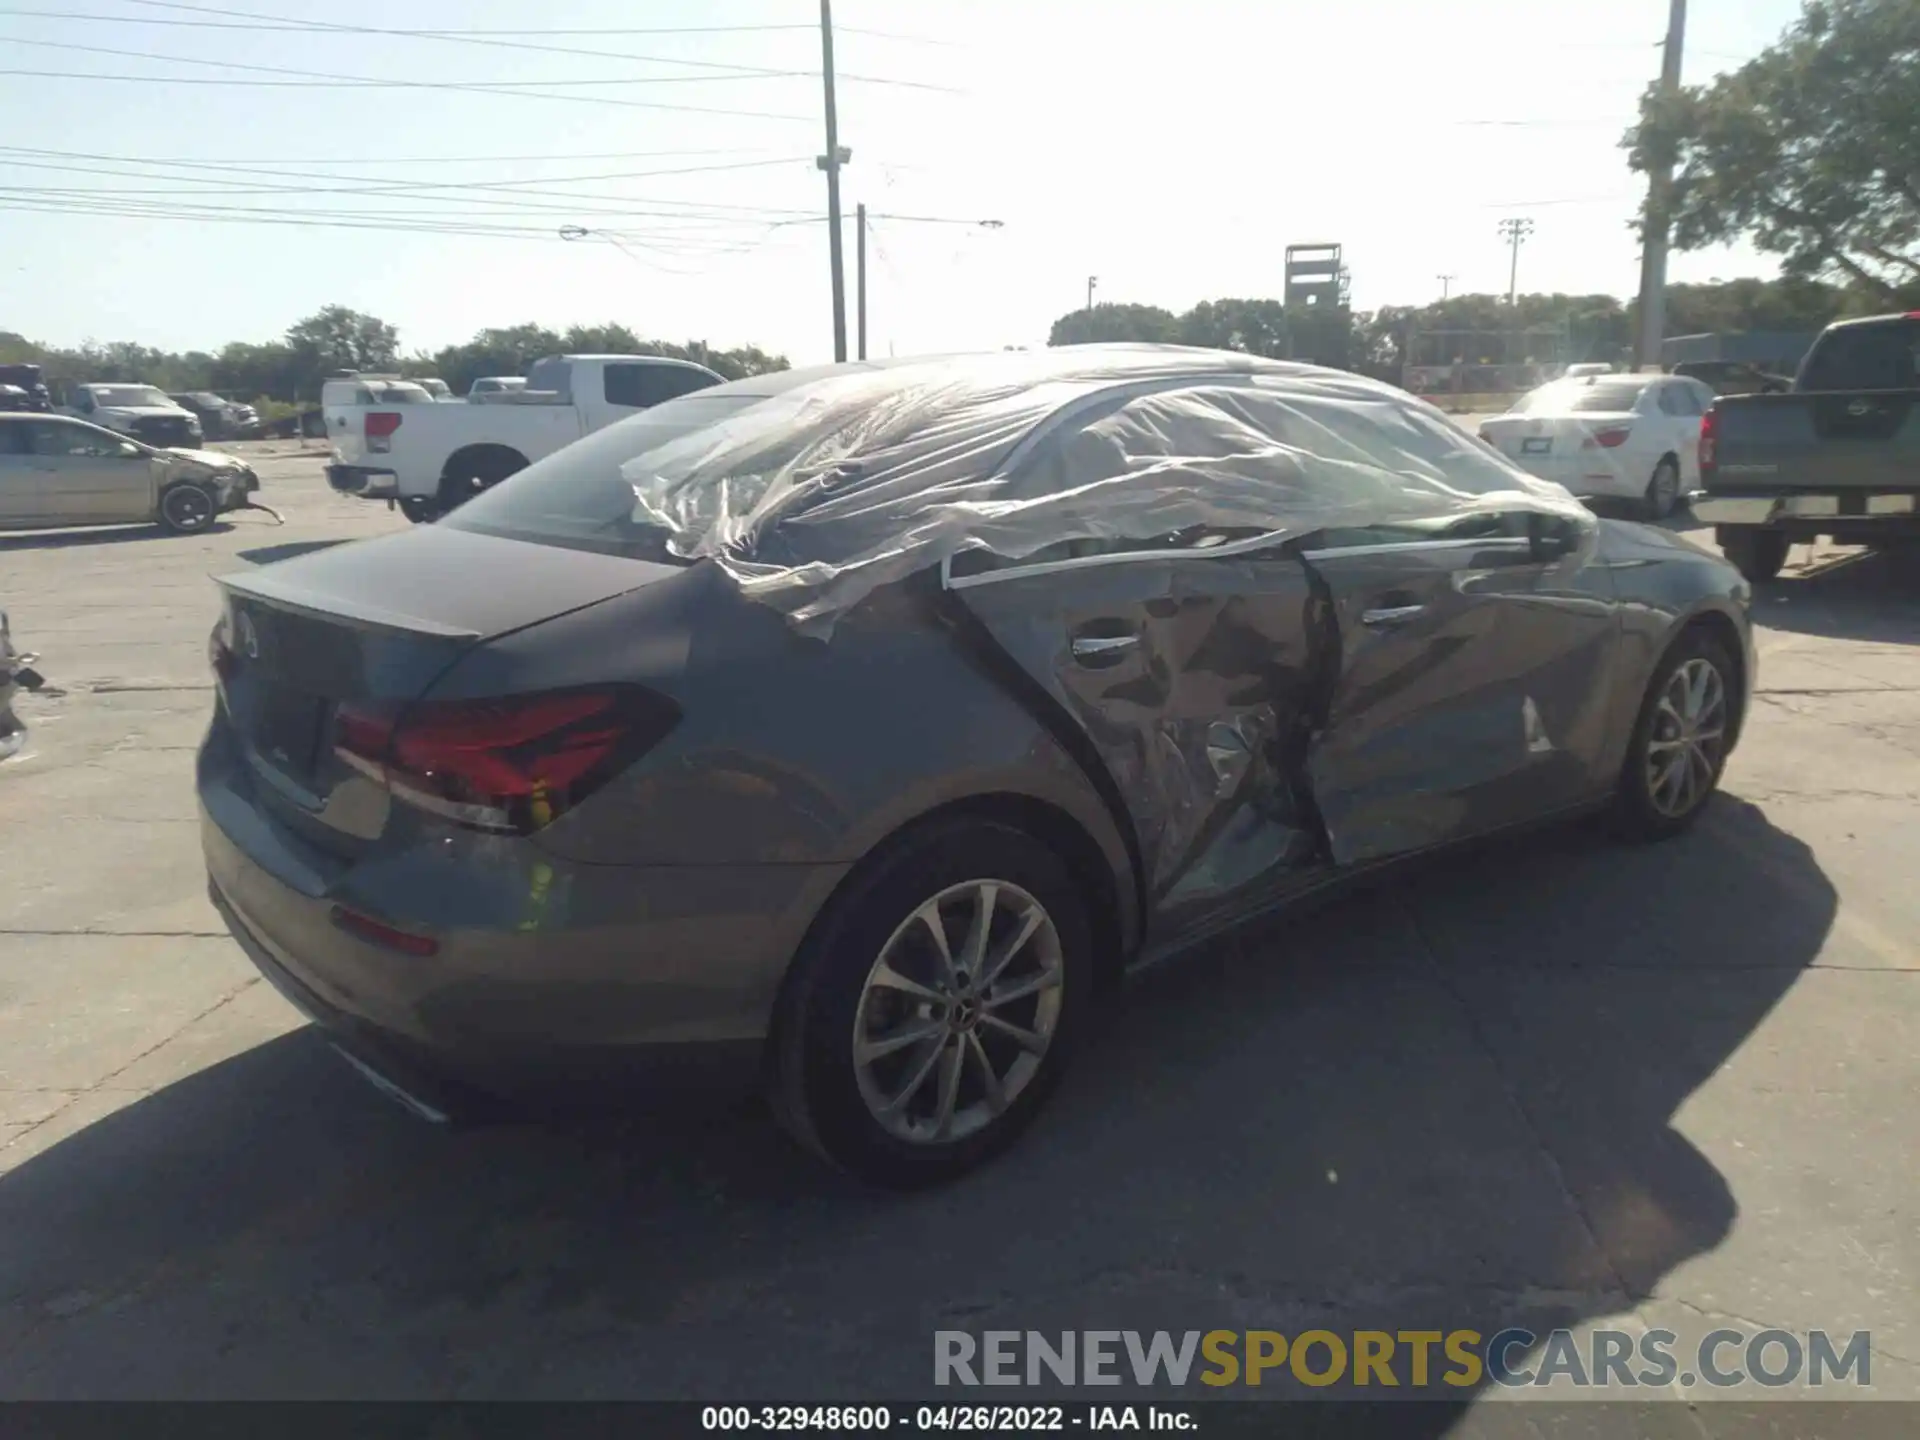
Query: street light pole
x,y
831,162
1446,283
860,277
1654,224
1514,232
1092,280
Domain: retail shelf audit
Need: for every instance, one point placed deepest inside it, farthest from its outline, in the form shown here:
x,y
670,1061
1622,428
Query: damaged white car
x,y
57,471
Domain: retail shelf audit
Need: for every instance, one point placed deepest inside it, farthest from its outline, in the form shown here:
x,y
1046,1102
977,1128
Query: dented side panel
x,y
1472,692
1193,676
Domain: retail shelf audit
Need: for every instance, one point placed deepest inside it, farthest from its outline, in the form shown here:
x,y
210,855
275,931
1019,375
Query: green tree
x,y
1137,324
336,338
1811,150
1257,327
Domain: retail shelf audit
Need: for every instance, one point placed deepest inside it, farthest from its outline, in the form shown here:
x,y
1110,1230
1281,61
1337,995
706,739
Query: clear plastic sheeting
x,y
814,497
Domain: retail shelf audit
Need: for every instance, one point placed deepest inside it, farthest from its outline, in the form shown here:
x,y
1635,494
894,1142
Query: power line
x,y
265,24
451,226
341,28
369,187
230,163
321,79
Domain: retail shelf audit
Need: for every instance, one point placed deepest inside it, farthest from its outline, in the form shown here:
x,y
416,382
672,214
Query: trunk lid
x,y
378,620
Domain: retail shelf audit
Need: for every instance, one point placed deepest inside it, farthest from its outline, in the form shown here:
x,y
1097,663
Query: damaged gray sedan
x,y
848,732
56,471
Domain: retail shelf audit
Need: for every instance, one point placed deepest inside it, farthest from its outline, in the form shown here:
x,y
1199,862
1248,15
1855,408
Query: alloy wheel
x,y
1689,738
187,507
958,1012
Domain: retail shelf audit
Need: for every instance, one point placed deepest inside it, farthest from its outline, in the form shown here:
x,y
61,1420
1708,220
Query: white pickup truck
x,y
430,458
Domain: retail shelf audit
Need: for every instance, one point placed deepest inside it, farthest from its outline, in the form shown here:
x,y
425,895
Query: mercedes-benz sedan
x,y
848,732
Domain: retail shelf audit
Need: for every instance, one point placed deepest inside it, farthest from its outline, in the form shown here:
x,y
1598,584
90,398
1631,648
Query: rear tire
x,y
877,1039
483,473
1680,741
186,508
1663,490
1757,553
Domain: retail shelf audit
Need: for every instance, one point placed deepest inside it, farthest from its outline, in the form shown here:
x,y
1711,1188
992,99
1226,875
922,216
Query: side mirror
x,y
1550,537
129,450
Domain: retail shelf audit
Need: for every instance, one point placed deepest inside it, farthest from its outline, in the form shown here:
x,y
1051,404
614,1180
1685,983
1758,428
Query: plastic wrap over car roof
x,y
813,497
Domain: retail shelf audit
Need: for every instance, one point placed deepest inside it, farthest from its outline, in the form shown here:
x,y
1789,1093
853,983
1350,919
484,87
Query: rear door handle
x,y
1391,615
1091,645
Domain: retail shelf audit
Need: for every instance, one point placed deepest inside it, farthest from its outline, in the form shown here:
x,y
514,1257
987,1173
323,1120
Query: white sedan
x,y
1632,437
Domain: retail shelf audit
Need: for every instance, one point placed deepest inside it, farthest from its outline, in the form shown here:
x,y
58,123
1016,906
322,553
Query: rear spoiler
x,y
283,595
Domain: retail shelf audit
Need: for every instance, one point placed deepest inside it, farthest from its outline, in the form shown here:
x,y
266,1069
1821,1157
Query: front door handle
x,y
1391,615
1088,646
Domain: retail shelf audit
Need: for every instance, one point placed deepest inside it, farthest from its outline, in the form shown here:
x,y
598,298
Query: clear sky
x,y
1173,150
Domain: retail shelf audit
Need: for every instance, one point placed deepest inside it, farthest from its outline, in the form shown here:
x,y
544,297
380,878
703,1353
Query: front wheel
x,y
1680,742
186,509
420,509
1757,553
935,1006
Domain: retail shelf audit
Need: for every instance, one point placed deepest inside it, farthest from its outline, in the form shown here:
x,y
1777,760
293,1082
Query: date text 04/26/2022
x,y
1003,1419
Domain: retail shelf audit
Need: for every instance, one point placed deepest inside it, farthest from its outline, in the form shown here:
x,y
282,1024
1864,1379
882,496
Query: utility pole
x,y
1092,280
1653,237
831,163
1446,283
1515,232
860,276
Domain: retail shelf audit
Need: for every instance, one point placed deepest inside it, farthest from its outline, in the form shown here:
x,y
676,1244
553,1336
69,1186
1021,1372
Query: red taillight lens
x,y
1606,439
511,764
380,425
1709,439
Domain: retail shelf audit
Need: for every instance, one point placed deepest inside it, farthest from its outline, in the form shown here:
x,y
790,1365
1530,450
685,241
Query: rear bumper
x,y
1595,474
364,481
1898,511
560,985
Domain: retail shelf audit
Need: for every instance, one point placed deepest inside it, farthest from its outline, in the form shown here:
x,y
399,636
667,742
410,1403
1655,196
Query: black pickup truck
x,y
1838,455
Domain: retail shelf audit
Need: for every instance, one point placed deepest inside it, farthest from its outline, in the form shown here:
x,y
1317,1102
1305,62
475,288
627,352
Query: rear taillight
x,y
1606,439
511,764
219,653
380,425
1709,441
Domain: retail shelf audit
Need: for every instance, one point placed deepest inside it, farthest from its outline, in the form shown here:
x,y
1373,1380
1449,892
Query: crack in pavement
x,y
1519,1106
106,1081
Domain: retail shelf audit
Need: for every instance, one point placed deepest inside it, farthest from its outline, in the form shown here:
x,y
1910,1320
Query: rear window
x,y
1885,356
577,497
640,385
373,392
1581,397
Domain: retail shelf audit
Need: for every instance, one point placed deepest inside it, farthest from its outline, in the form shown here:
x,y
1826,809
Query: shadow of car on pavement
x,y
1445,1102
105,535
1853,595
